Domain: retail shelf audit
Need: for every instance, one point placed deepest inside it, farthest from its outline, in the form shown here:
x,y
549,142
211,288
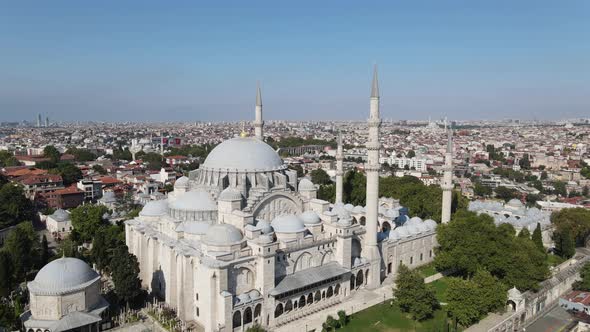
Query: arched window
x,y
247,316
310,298
359,279
257,310
288,306
337,289
301,303
279,310
237,320
330,292
363,221
352,282
318,296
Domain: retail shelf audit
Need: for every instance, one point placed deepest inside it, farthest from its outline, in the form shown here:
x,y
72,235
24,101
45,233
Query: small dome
x,y
194,200
155,208
515,203
230,194
423,227
310,217
243,298
431,224
413,229
403,231
414,221
63,275
181,182
264,226
193,227
514,294
349,207
265,238
254,294
288,223
223,234
358,209
344,215
60,215
245,154
306,185
394,235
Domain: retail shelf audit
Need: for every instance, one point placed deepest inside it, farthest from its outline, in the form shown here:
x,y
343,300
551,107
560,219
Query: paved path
x,y
554,320
490,321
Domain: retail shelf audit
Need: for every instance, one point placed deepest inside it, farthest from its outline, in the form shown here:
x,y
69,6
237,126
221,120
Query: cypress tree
x,y
538,238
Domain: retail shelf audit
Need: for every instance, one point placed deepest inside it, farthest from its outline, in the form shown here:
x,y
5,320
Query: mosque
x,y
242,240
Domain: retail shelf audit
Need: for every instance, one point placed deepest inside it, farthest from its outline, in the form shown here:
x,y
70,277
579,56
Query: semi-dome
x,y
63,275
423,227
194,200
394,235
223,234
414,221
306,185
243,154
288,223
310,217
155,208
403,231
230,194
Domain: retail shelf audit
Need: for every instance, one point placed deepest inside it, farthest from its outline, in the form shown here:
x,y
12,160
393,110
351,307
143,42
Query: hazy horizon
x,y
114,61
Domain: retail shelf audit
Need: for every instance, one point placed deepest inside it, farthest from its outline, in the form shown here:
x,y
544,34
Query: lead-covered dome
x,y
62,276
243,154
155,208
223,234
194,200
288,223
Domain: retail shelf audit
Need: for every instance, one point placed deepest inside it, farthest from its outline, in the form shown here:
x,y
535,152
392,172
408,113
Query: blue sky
x,y
194,60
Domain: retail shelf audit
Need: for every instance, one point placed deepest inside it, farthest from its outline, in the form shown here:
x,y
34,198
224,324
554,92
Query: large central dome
x,y
243,154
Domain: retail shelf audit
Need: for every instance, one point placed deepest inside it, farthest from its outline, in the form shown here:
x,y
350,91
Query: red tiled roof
x,y
69,190
108,180
579,297
42,178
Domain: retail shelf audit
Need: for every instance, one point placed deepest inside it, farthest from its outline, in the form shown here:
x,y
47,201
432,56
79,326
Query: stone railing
x,y
308,310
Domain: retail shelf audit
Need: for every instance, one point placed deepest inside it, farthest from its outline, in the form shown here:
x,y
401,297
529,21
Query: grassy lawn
x,y
427,270
385,318
440,288
554,260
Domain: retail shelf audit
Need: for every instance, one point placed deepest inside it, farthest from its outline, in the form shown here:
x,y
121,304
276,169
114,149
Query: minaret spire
x,y
339,169
372,171
258,122
447,183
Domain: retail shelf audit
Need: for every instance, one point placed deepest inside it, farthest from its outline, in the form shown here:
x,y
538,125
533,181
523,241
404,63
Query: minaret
x,y
258,123
339,169
447,183
372,171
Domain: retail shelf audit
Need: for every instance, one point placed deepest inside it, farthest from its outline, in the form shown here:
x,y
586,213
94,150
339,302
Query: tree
x,y
560,188
99,169
412,295
298,169
584,283
52,154
5,274
319,176
481,190
585,191
82,155
14,206
472,242
544,175
342,318
538,238
21,244
256,327
327,192
524,233
576,221
411,154
87,220
153,160
470,300
505,193
564,243
70,173
125,274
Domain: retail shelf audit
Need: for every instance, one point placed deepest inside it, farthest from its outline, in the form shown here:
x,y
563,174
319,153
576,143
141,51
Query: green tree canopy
x,y
505,193
70,173
14,206
576,221
52,153
538,238
87,220
412,294
125,274
319,176
22,244
472,242
584,283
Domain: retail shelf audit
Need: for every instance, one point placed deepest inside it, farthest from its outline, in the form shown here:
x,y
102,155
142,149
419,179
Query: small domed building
x,y
242,240
65,295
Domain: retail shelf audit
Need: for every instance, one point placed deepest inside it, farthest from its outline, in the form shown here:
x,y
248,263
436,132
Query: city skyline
x,y
118,62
